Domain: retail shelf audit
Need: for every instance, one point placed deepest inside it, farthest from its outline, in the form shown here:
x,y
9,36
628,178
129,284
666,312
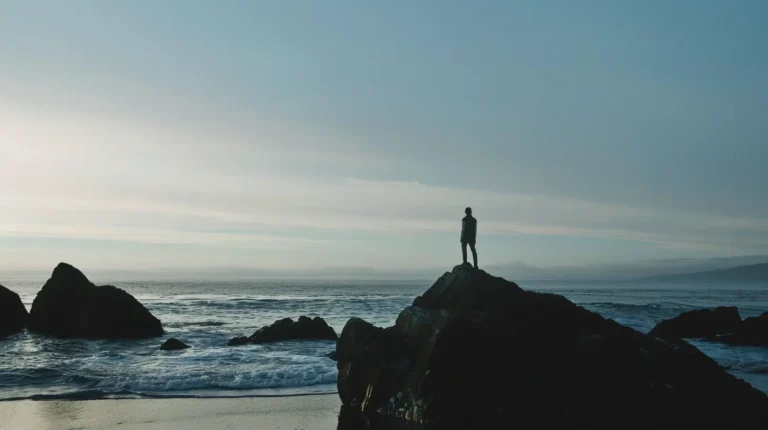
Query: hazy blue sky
x,y
353,133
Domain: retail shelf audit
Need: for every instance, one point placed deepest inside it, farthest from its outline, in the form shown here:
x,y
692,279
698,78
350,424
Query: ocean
x,y
205,315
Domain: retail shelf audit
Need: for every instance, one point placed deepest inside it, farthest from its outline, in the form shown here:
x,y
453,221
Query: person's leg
x,y
464,250
474,253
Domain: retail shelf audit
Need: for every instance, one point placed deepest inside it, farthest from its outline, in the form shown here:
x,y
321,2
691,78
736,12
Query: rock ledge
x,y
475,349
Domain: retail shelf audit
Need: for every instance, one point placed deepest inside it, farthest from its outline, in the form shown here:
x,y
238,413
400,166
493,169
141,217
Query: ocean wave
x,y
744,359
180,299
318,371
636,306
196,324
648,313
16,377
759,367
44,381
292,373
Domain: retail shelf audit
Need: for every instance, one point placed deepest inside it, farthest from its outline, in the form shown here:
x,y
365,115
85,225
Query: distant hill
x,y
751,273
619,271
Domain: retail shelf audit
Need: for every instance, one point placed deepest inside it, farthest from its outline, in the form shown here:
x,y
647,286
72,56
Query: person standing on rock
x,y
469,235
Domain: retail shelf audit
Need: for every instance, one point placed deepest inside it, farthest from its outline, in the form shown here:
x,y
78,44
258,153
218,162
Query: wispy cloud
x,y
313,148
148,234
153,186
133,209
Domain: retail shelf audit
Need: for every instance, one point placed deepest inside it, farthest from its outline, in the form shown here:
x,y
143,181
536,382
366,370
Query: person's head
x,y
468,211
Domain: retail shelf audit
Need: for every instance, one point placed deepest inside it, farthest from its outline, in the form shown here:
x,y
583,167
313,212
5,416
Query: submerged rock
x,y
13,314
237,341
69,305
173,344
304,328
477,348
753,331
699,323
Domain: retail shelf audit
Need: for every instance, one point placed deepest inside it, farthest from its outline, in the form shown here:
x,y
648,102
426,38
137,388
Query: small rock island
x,y
305,328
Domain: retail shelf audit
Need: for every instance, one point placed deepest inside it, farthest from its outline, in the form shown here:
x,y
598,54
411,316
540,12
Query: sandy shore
x,y
303,412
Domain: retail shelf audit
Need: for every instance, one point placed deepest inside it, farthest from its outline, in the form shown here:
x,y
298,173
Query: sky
x,y
347,134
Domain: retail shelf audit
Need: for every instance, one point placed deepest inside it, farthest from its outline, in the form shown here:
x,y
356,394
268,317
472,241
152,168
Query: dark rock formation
x,y
753,331
69,305
173,344
477,350
13,314
722,324
304,328
237,341
287,329
699,323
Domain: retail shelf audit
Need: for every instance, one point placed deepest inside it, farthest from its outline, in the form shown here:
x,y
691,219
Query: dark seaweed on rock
x,y
476,349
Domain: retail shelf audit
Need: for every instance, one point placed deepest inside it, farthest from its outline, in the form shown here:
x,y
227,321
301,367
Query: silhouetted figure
x,y
469,235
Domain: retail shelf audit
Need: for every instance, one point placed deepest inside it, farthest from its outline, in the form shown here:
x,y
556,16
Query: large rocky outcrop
x,y
304,328
476,350
13,314
699,323
753,331
69,305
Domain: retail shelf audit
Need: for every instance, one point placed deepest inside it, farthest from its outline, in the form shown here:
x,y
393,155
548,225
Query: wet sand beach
x,y
318,412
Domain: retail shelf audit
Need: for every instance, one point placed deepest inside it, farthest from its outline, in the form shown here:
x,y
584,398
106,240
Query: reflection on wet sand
x,y
352,420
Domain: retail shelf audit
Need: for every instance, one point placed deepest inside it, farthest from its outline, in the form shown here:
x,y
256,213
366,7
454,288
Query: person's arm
x,y
463,229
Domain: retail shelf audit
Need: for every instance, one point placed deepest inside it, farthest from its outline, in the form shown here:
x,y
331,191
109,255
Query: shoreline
x,y
88,395
758,381
77,397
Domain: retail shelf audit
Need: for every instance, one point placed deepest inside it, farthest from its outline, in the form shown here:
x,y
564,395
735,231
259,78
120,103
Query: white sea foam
x,y
237,378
